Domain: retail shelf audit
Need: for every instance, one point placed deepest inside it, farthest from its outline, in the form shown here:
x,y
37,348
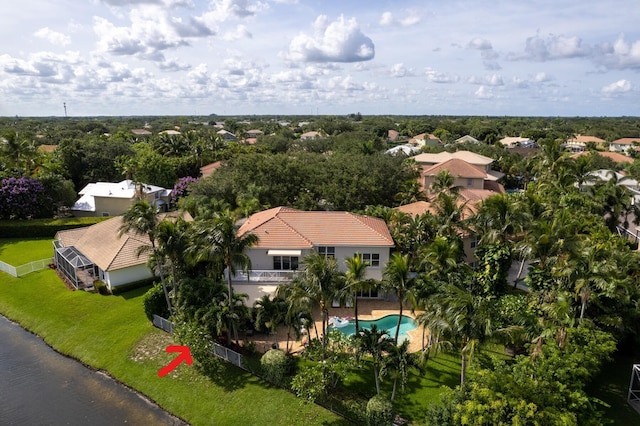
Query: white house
x,y
286,236
111,199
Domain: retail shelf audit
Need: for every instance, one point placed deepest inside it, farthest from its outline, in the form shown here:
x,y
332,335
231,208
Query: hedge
x,y
43,228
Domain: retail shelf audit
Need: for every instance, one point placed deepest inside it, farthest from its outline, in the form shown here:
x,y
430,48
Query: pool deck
x,y
367,310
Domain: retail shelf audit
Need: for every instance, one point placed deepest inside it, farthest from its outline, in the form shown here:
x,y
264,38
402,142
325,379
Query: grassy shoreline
x,y
111,334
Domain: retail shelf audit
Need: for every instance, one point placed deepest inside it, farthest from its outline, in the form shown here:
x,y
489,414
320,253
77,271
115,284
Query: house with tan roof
x,y
578,143
310,136
286,236
112,199
99,252
514,141
470,170
624,144
467,139
613,156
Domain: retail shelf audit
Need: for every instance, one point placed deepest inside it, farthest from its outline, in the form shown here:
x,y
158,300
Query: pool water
x,y
389,323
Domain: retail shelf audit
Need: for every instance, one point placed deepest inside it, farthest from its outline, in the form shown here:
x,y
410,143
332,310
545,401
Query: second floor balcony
x,y
263,276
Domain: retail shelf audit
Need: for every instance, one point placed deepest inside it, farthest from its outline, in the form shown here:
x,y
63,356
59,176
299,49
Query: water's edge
x,y
106,374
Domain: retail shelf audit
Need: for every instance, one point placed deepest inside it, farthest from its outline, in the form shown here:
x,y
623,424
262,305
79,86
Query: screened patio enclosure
x,y
74,265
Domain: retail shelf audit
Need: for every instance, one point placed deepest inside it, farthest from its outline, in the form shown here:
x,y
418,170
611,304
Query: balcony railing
x,y
263,276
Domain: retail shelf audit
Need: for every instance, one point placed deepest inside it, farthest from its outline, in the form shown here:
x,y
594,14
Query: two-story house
x,y
286,236
470,170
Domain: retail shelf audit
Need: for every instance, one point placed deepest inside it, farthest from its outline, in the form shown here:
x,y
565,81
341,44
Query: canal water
x,y
38,386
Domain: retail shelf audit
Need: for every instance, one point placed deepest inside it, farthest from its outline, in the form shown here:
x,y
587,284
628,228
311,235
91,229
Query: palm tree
x,y
397,364
396,279
218,242
461,318
142,219
270,313
355,282
319,282
374,342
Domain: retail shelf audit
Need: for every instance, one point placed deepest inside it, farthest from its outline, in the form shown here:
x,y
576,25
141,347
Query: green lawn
x,y
17,252
112,333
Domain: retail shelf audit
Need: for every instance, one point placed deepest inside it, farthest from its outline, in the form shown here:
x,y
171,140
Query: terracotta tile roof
x,y
283,227
47,148
626,141
615,156
140,132
457,168
585,139
416,209
208,170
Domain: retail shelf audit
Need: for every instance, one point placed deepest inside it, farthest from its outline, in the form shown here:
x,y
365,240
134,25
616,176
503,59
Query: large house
x,y
470,170
112,199
624,144
286,236
100,252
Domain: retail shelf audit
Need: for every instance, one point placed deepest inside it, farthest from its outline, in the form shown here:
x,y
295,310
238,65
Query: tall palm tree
x,y
374,342
142,219
319,282
397,280
460,317
355,281
218,242
397,364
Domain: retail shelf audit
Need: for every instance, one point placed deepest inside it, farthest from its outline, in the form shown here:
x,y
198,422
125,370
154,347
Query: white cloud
x,y
552,48
400,70
620,86
440,77
620,54
480,44
483,93
53,37
388,20
337,41
238,33
489,80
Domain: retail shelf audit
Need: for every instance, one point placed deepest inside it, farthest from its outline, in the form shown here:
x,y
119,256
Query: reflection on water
x,y
38,386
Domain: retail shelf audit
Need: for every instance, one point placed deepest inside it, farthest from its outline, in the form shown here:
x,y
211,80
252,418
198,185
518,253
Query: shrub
x,y
24,198
379,411
102,288
275,366
154,302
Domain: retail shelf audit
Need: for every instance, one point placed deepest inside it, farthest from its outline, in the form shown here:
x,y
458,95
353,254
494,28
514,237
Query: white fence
x,y
27,268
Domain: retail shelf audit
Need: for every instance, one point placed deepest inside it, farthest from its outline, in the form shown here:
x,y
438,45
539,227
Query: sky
x,y
325,57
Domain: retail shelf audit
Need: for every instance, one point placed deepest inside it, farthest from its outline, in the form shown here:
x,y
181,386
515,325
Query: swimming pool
x,y
389,323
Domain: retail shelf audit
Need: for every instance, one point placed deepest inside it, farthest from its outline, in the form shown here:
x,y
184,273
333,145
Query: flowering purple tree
x,y
181,188
22,198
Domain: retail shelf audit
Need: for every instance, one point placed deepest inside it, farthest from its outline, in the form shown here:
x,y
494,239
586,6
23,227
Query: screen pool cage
x,y
74,265
634,388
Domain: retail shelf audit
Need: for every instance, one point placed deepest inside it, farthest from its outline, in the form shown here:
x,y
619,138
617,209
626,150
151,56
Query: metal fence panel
x,y
5,267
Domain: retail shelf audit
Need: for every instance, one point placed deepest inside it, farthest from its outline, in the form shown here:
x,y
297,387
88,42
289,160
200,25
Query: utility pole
x,y
65,108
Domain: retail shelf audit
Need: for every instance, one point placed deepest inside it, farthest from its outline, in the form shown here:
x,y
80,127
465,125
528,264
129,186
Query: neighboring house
x,y
624,144
579,143
170,132
310,136
253,133
286,236
467,139
515,141
471,170
226,135
393,135
99,252
112,199
207,170
141,132
613,156
407,150
424,139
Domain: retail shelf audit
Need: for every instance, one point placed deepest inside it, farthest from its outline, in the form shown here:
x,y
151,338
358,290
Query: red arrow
x,y
185,355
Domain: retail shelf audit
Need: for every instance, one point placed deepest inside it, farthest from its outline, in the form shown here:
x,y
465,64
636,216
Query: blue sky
x,y
227,57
